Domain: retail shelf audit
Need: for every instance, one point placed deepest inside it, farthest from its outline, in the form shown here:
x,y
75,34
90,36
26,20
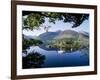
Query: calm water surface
x,y
65,59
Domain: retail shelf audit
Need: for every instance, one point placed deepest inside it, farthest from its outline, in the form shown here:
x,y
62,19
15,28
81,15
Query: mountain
x,y
48,35
64,40
67,34
59,35
84,34
62,34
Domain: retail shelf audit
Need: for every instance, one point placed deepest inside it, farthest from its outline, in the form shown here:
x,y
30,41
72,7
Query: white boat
x,y
60,51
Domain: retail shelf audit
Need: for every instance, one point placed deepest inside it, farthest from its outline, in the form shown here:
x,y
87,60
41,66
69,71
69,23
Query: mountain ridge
x,y
58,35
62,34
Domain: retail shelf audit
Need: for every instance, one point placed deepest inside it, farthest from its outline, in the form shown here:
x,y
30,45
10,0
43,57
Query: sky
x,y
59,25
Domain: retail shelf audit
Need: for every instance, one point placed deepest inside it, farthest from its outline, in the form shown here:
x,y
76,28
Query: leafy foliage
x,y
35,19
68,44
33,60
28,43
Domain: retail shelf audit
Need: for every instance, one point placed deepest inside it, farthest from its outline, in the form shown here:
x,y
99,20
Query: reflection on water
x,y
37,57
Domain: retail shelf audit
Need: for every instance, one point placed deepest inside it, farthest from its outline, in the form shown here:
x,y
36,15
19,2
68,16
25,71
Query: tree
x,y
35,19
46,27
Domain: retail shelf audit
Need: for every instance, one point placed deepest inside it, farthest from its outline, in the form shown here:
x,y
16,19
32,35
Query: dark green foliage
x,y
33,60
35,19
30,42
67,44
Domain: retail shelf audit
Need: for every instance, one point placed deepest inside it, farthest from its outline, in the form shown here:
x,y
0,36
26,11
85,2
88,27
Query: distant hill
x,y
59,35
62,34
67,34
84,34
48,35
65,40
